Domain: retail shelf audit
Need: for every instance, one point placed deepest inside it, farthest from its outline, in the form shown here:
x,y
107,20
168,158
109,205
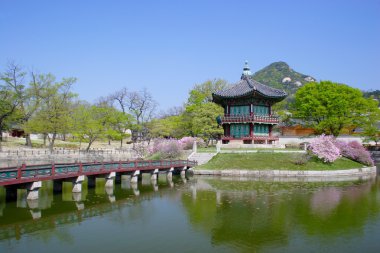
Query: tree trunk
x,y
121,143
89,144
51,144
45,137
109,141
28,141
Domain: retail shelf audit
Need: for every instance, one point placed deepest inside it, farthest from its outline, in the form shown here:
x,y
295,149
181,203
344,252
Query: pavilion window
x,y
239,130
261,110
261,130
239,110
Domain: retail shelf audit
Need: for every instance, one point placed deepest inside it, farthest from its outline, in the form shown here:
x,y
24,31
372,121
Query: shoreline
x,y
365,171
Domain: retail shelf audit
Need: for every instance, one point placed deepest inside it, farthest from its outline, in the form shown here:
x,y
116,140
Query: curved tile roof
x,y
247,85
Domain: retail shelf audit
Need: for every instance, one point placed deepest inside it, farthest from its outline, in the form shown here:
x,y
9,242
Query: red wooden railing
x,y
26,174
254,138
230,118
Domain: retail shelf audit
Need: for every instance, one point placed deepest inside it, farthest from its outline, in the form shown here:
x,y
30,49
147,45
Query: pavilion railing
x,y
254,138
231,118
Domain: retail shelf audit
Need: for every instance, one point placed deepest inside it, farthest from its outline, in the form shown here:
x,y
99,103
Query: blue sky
x,y
168,46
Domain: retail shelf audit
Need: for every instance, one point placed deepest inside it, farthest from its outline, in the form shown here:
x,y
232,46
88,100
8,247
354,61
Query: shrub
x,y
355,151
187,142
324,148
140,149
301,159
168,148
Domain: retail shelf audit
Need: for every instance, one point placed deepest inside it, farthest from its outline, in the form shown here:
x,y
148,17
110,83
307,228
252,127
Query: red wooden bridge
x,y
32,173
30,176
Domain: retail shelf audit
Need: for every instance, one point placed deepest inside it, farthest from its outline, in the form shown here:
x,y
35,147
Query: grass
x,y
277,161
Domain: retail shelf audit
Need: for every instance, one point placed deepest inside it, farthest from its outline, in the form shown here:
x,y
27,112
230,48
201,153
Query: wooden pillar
x,y
251,129
270,130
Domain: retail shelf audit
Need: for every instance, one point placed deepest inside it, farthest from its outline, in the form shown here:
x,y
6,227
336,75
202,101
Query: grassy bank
x,y
270,161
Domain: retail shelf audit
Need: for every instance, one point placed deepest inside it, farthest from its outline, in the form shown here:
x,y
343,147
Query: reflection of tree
x,y
2,200
358,205
266,220
238,221
323,202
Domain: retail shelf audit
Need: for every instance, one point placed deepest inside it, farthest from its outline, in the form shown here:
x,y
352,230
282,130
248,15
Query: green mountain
x,y
372,93
279,75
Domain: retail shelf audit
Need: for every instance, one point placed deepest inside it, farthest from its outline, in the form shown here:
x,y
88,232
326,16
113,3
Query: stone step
x,y
202,158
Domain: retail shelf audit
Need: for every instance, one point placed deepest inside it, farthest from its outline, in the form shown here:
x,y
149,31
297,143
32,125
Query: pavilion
x,y
248,117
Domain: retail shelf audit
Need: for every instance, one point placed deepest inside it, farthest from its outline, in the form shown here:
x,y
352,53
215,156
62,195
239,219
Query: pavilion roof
x,y
245,87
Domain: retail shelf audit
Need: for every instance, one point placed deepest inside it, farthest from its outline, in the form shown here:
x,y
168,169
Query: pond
x,y
200,214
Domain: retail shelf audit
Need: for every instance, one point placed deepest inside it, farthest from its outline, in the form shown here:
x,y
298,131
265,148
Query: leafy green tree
x,y
89,123
371,126
55,113
204,123
200,99
8,106
118,125
171,126
94,122
11,89
202,93
329,107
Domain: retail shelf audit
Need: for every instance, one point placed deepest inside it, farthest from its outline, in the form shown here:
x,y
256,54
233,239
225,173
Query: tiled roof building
x,y
248,110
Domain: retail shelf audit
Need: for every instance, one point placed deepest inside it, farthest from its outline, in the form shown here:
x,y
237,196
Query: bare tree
x,y
138,103
172,111
121,98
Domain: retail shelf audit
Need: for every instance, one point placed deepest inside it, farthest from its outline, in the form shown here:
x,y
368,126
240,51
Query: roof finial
x,y
246,70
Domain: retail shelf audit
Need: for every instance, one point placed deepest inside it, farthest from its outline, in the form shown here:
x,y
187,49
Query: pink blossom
x,y
324,148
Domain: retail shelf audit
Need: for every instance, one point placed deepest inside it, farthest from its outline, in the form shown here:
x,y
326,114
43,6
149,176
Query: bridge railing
x,y
51,171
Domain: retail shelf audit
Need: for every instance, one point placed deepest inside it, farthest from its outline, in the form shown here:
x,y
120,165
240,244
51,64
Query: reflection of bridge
x,y
68,213
30,177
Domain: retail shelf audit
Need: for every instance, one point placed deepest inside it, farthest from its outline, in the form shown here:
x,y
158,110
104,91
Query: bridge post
x,y
77,197
34,210
135,188
109,179
183,174
154,175
32,190
134,178
110,194
78,184
169,176
183,171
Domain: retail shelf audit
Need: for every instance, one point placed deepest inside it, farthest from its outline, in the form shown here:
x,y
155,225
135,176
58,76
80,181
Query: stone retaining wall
x,y
365,171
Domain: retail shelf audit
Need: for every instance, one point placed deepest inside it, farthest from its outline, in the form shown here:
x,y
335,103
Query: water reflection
x,y
265,215
205,214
